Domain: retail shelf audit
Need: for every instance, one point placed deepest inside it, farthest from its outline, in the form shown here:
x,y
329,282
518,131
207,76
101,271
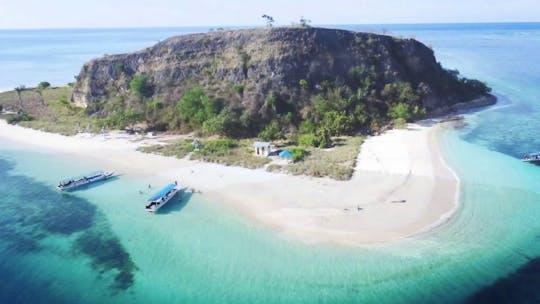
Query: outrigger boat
x,y
533,158
162,197
75,182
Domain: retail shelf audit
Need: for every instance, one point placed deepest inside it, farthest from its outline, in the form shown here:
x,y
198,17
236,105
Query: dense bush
x,y
239,89
400,110
271,132
298,154
218,146
400,92
226,123
14,119
141,87
121,119
337,123
43,85
304,85
307,140
196,107
405,111
307,127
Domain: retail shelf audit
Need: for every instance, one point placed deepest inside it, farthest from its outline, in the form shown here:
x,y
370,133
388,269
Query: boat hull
x,y
531,161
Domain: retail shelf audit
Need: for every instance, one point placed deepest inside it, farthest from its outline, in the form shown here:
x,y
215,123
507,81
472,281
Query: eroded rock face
x,y
245,66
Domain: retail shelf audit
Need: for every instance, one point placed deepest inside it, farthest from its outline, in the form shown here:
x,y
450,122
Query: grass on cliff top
x,y
50,110
337,162
228,152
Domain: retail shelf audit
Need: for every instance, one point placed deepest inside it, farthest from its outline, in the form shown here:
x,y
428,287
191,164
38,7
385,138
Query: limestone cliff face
x,y
243,67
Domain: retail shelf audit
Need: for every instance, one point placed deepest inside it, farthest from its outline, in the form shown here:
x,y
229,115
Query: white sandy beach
x,y
401,185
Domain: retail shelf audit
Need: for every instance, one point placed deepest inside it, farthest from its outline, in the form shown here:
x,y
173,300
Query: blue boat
x,y
163,196
75,182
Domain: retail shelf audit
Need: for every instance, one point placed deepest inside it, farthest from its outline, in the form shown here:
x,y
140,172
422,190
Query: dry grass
x,y
274,168
240,154
337,162
221,151
51,110
178,149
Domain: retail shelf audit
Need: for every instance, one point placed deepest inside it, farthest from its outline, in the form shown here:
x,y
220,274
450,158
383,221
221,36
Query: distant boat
x,y
533,158
162,197
75,182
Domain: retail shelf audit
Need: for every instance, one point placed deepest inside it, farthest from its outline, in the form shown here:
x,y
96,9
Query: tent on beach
x,y
285,154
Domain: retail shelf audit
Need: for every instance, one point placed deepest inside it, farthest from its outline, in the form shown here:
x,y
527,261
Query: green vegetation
x,y
217,146
141,87
271,132
14,119
337,163
304,85
320,138
44,85
399,92
239,89
298,154
120,119
196,107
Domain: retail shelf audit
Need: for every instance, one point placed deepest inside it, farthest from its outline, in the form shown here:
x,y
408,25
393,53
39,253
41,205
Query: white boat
x,y
162,197
533,158
75,182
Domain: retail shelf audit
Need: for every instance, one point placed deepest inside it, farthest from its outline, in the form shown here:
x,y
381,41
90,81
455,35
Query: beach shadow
x,y
177,203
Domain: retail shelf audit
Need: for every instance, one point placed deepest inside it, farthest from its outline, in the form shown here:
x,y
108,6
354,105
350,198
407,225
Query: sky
x,y
159,13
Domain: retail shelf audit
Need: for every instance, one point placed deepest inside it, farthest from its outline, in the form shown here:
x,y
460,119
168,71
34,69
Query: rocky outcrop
x,y
483,101
243,67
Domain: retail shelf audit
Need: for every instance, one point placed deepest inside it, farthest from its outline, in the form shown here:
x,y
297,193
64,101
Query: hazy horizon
x,y
275,26
63,14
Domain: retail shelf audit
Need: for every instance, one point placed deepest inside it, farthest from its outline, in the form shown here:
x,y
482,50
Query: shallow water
x,y
98,245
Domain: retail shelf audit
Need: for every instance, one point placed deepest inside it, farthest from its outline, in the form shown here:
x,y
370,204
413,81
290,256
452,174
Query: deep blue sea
x,y
95,246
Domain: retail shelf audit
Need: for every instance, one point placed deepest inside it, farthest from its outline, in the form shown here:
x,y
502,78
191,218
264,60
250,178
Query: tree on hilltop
x,y
304,22
19,90
269,20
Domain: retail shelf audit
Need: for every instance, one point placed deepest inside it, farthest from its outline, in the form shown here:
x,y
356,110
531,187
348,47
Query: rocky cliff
x,y
242,68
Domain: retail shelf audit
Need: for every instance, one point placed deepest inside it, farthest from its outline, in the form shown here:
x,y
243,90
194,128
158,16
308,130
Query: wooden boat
x,y
162,197
75,182
533,158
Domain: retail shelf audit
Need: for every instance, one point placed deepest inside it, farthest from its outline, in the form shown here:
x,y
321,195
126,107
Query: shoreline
x,y
444,218
402,186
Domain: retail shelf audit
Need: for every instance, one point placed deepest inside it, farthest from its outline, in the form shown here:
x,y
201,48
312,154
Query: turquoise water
x,y
98,245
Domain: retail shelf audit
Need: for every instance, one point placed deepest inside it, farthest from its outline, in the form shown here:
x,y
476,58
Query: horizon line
x,y
261,26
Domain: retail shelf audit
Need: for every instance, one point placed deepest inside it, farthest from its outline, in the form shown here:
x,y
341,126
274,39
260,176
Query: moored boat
x,y
533,158
162,197
75,182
